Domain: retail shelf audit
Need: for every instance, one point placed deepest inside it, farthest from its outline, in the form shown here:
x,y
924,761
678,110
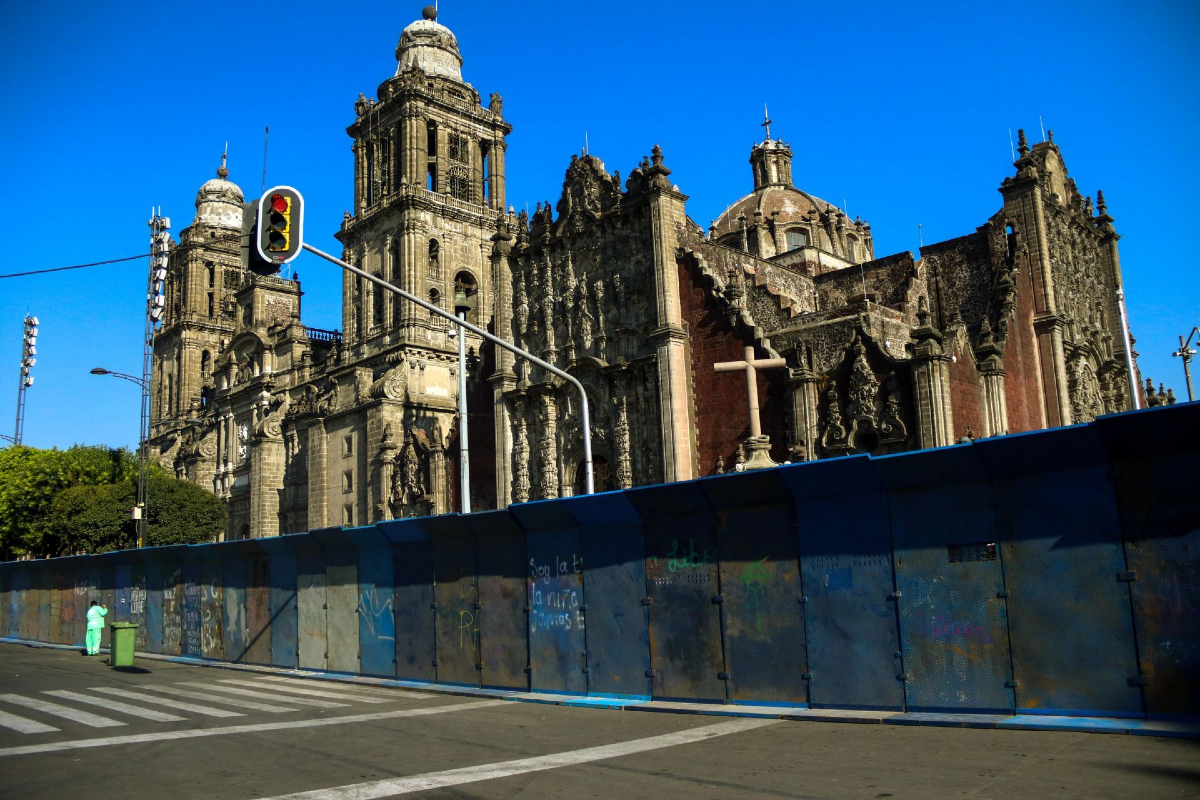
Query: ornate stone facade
x,y
1010,328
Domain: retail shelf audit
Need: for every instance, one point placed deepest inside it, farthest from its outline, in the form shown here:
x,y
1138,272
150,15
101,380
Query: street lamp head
x,y
99,371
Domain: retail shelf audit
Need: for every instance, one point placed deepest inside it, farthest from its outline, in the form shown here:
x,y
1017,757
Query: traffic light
x,y
278,229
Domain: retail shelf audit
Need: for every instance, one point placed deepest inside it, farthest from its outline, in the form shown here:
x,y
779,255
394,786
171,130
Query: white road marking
x,y
82,717
22,725
295,687
116,705
354,689
264,695
207,711
485,772
212,698
162,736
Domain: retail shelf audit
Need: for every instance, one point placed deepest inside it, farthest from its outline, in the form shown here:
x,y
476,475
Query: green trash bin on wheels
x,y
122,637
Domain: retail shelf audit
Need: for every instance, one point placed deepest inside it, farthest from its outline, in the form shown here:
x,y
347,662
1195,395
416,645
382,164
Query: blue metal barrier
x,y
456,599
501,618
283,602
376,616
413,600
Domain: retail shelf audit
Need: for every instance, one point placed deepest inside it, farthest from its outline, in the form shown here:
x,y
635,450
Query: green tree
x,y
96,519
29,480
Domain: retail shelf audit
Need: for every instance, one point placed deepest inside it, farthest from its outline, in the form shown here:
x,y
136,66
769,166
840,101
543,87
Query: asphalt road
x,y
113,734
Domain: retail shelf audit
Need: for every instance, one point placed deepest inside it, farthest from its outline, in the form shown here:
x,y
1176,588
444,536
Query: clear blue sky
x,y
902,111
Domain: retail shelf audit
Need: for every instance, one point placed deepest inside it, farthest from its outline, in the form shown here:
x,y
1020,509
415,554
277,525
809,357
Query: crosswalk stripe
x,y
54,709
116,705
292,686
22,725
212,698
163,701
353,689
301,701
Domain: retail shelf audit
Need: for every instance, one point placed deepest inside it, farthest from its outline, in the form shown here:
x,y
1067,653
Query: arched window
x,y
466,294
796,240
460,184
1010,234
485,158
435,299
205,363
435,264
851,249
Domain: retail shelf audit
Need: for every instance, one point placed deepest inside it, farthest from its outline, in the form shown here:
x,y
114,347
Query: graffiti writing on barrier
x,y
376,611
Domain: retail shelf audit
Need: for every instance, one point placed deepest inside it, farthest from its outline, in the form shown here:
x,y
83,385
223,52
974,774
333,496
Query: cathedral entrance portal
x,y
601,478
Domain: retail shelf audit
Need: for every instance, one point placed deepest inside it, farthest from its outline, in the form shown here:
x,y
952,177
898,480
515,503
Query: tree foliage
x,y
63,502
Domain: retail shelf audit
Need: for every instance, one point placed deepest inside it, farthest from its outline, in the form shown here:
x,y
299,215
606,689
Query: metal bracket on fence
x,y
649,673
903,676
437,663
896,595
718,598
1003,593
583,607
1011,684
433,606
1139,680
1127,576
529,669
478,606
479,665
722,676
801,600
646,601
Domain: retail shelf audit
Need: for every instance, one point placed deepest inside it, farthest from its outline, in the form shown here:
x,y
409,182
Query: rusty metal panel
x,y
341,595
79,599
23,620
124,578
191,583
258,611
312,625
108,589
554,574
284,601
503,638
682,582
234,577
953,614
760,590
212,602
413,599
457,599
849,587
1070,618
173,597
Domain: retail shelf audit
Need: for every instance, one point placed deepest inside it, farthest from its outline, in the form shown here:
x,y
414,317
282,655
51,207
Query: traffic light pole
x,y
475,329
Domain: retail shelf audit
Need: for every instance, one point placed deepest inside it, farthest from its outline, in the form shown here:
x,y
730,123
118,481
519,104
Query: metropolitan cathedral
x,y
1014,326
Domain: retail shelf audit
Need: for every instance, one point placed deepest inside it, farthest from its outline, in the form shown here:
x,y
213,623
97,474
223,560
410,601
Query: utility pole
x,y
1186,352
28,351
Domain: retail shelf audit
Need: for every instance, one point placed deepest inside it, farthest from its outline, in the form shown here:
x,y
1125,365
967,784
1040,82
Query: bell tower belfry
x,y
428,186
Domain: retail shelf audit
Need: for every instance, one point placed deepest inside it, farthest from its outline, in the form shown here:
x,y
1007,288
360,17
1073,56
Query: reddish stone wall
x,y
719,403
1023,382
966,400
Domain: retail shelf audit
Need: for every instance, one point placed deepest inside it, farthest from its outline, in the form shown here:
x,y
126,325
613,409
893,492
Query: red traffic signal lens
x,y
279,203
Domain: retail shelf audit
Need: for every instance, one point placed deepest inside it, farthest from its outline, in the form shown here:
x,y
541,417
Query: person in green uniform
x,y
95,625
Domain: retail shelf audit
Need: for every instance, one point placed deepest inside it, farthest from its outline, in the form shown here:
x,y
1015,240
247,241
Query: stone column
x,y
669,337
504,379
805,421
439,487
995,404
931,385
315,444
266,476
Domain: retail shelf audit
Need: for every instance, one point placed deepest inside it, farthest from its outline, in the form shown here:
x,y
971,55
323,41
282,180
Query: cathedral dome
x,y
219,201
430,47
792,204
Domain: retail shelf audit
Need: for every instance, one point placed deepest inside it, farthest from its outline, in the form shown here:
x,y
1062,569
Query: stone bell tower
x,y
428,190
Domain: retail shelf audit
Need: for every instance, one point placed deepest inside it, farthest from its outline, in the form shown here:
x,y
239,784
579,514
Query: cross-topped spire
x,y
767,121
223,171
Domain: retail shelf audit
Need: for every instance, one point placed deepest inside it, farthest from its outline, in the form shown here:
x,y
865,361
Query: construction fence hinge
x,y
646,601
1127,576
583,607
718,598
806,676
478,606
1139,680
529,668
437,663
722,676
433,606
1014,683
479,665
801,600
903,676
895,595
1003,593
649,673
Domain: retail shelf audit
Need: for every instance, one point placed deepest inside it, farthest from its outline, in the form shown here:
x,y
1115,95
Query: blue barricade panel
x,y
258,610
760,589
457,599
681,579
415,620
846,567
41,599
137,601
5,599
212,603
191,583
953,619
502,566
554,596
283,599
1069,613
614,586
59,632
235,576
376,616
341,597
311,622
120,611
